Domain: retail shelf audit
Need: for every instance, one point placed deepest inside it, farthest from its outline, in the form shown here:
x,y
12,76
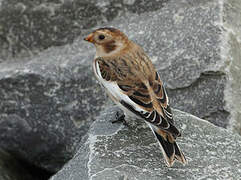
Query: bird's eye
x,y
101,37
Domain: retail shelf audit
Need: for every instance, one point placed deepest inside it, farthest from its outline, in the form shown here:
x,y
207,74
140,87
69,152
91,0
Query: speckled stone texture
x,y
28,27
115,151
46,106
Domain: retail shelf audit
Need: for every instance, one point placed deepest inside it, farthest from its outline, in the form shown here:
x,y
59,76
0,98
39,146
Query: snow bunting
x,y
131,81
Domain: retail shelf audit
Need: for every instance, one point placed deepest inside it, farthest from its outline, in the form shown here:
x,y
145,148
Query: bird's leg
x,y
119,118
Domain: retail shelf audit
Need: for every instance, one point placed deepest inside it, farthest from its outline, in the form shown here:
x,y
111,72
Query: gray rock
x,y
47,104
11,169
115,151
28,27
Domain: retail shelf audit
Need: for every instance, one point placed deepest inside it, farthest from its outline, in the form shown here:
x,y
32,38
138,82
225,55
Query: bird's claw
x,y
119,118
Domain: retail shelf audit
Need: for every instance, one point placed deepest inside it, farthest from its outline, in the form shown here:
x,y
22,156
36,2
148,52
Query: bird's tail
x,y
170,149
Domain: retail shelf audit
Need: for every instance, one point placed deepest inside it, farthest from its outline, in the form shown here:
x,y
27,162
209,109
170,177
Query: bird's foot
x,y
119,118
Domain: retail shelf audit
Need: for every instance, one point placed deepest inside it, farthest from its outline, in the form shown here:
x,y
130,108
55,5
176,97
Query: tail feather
x,y
170,150
167,148
179,155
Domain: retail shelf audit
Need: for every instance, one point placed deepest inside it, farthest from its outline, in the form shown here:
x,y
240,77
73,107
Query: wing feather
x,y
132,93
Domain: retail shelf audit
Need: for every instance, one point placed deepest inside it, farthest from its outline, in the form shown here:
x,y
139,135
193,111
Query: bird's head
x,y
107,41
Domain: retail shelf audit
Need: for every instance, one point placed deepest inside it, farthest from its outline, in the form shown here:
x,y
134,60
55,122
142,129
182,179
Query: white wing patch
x,y
113,89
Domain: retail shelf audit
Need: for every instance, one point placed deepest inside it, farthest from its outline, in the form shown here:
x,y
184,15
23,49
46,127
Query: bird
x,y
130,79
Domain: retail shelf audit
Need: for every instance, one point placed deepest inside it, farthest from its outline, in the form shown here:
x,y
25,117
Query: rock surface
x,y
10,169
28,27
46,106
115,151
232,18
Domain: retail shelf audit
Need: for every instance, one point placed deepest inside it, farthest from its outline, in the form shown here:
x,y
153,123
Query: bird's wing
x,y
125,87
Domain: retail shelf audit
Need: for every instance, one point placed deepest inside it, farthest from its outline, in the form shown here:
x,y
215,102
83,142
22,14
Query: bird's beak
x,y
89,38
